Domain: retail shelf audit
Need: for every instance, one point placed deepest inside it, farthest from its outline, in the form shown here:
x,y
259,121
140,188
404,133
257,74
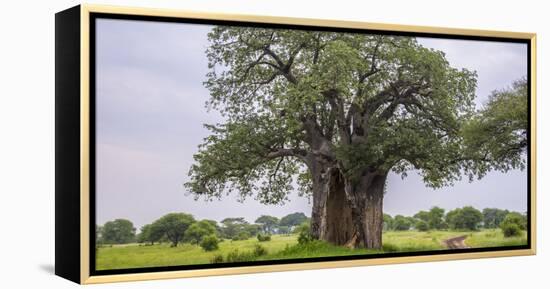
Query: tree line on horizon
x,y
465,218
176,228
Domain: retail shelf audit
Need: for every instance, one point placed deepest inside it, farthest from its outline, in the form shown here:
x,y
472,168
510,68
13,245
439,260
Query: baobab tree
x,y
334,113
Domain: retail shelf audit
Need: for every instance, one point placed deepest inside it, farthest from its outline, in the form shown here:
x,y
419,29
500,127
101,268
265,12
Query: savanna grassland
x,y
287,247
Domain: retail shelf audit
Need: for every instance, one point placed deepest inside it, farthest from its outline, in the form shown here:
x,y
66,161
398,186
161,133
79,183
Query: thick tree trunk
x,y
365,198
339,228
331,215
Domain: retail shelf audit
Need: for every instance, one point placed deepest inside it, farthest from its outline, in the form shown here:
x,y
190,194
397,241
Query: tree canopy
x,y
293,219
119,231
497,136
269,223
366,102
173,226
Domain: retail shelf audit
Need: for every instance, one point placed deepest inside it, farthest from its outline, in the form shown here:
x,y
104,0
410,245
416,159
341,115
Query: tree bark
x,y
365,197
331,219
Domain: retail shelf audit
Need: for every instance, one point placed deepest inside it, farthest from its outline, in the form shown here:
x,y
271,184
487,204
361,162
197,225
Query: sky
x,y
150,105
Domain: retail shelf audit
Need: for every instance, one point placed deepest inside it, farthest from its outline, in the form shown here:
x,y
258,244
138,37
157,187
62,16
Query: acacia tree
x,y
497,136
335,112
268,223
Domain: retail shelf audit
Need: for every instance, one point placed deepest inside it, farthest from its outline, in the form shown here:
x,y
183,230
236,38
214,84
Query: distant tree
x,y
263,237
232,226
388,223
195,233
401,223
209,242
423,216
99,234
119,231
435,218
173,226
516,218
492,217
242,235
283,229
149,234
422,226
253,229
293,219
466,218
513,224
269,223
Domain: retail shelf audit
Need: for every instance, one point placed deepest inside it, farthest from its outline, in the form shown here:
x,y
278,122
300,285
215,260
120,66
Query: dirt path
x,y
456,242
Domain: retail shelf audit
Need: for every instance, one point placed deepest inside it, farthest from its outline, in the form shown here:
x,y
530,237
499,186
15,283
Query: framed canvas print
x,y
194,144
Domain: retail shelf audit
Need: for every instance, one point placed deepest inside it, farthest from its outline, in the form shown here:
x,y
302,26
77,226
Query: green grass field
x,y
286,247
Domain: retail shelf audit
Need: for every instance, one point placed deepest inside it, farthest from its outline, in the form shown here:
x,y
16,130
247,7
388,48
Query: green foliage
x,y
515,218
293,219
209,243
263,237
237,256
269,223
285,247
233,226
284,92
510,229
195,233
388,223
259,250
423,216
304,233
466,218
435,218
98,235
496,138
173,226
283,230
401,223
149,234
242,235
422,226
492,217
218,258
119,231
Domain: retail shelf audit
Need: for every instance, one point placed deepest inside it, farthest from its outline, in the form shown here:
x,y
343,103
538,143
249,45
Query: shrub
x,y
304,234
236,256
466,218
243,235
218,258
510,230
515,218
209,243
259,250
422,226
263,237
512,224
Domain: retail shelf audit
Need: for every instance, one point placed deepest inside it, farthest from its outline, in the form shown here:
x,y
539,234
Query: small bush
x,y
264,237
422,226
304,234
236,256
510,230
243,235
259,250
389,248
209,243
218,258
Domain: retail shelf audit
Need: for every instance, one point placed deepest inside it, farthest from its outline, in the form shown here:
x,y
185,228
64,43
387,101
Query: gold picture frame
x,y
73,222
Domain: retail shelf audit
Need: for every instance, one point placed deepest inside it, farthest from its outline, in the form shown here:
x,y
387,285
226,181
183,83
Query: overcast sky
x,y
150,116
